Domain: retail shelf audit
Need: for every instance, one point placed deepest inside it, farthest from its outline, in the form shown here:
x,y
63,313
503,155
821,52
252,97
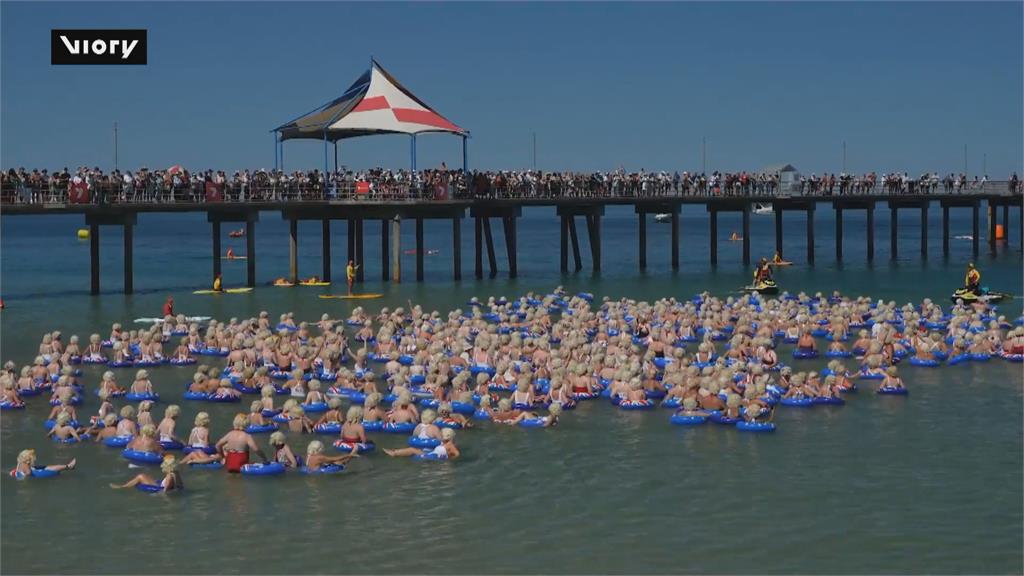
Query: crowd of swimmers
x,y
521,363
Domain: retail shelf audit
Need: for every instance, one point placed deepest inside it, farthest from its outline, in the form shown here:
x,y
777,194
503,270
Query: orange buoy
x,y
1000,232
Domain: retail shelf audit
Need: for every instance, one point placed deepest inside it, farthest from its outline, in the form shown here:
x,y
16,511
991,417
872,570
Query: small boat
x,y
766,287
430,252
236,233
763,209
986,296
663,218
963,237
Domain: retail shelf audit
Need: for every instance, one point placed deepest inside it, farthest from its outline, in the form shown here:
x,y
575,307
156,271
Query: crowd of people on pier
x,y
427,377
177,184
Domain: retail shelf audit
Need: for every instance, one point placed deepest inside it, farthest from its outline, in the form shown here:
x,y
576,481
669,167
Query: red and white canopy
x,y
376,103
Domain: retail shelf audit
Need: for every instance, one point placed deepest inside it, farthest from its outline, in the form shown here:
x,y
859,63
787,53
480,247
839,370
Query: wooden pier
x,y
391,216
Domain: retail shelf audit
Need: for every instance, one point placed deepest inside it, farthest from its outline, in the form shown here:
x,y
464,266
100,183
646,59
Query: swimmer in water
x,y
237,445
26,465
169,483
315,458
447,450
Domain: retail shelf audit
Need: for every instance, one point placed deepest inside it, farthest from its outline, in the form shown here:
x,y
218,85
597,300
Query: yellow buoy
x,y
83,233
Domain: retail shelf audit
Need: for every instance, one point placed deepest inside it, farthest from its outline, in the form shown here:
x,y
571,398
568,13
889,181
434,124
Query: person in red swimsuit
x,y
237,444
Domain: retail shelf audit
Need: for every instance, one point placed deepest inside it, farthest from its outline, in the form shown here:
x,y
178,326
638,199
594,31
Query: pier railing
x,y
391,191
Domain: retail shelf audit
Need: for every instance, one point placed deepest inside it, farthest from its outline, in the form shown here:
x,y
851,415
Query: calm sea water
x,y
928,483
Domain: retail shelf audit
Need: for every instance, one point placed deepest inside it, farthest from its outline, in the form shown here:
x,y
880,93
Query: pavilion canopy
x,y
376,103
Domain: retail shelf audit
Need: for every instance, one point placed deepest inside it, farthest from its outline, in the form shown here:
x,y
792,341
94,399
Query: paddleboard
x,y
225,291
349,296
234,257
160,320
290,285
783,263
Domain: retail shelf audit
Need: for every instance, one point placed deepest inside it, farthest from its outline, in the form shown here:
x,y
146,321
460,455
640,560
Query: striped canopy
x,y
376,103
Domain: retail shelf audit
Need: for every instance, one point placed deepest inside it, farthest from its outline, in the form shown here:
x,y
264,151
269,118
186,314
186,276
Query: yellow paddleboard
x,y
226,291
349,296
321,283
783,263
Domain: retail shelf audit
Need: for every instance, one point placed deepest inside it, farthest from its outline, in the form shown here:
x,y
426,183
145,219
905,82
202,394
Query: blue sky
x,y
906,86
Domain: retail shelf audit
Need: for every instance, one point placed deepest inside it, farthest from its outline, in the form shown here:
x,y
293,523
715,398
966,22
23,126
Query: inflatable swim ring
x,y
269,469
358,447
140,457
117,441
681,420
261,428
398,428
755,426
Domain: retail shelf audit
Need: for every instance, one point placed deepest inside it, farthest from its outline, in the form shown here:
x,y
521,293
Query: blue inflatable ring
x,y
800,402
681,420
261,428
117,441
269,469
424,443
359,447
328,428
398,428
325,469
755,426
139,457
893,391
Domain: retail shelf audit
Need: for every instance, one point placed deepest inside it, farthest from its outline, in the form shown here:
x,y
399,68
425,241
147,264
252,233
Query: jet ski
x,y
766,287
985,296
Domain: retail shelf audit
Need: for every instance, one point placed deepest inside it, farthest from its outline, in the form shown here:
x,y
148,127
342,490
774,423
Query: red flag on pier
x,y
214,192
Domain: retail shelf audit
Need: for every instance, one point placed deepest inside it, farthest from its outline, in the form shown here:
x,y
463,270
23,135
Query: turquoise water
x,y
927,483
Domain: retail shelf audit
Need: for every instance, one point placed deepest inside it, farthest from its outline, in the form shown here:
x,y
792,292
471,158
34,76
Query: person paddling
x,y
350,274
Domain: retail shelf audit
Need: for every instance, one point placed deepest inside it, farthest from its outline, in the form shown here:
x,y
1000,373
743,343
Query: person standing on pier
x,y
350,274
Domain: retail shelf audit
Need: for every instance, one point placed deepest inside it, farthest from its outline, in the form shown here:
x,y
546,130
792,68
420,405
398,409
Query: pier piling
x,y
924,230
215,230
713,235
128,246
396,249
492,261
457,248
361,271
293,251
871,231
250,252
675,239
419,249
975,228
509,226
563,254
594,228
778,229
326,249
385,253
839,234
94,259
810,234
894,224
945,231
642,237
746,234
576,259
478,247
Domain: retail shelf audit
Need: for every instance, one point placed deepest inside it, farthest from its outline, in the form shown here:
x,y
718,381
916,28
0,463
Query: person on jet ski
x,y
763,273
972,279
